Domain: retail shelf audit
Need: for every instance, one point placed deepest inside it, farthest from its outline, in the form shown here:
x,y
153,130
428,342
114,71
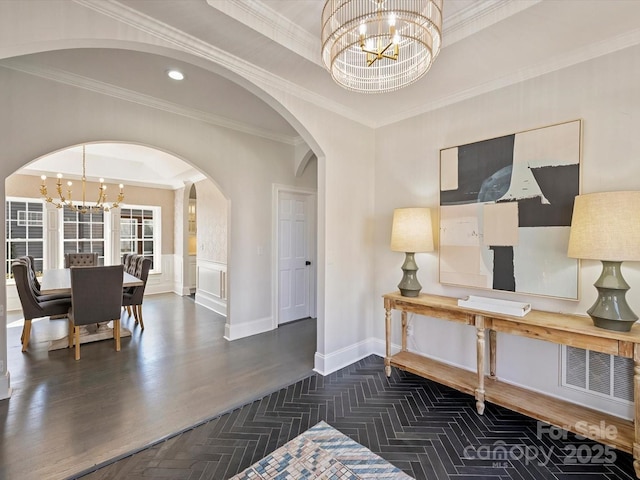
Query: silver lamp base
x,y
611,311
409,285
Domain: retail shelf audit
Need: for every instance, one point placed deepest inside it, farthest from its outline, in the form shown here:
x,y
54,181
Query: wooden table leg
x,y
387,321
492,353
480,345
404,330
636,408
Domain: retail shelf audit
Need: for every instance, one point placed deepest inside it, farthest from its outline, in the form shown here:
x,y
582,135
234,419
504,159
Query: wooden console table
x,y
564,329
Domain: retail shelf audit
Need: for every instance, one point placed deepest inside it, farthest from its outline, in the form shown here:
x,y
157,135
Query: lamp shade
x,y
606,226
411,230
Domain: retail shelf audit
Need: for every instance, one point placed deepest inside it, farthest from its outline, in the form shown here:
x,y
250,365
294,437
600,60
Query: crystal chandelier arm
x,y
102,197
66,200
379,52
372,56
45,193
376,52
59,190
120,198
43,190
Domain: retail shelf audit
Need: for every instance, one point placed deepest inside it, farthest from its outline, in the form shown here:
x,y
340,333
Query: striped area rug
x,y
322,452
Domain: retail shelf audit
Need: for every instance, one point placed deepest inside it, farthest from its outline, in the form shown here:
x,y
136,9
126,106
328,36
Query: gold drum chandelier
x,y
66,200
376,46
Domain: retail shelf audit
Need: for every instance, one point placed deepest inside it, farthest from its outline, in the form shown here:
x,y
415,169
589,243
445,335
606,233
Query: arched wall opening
x,y
52,115
344,149
154,184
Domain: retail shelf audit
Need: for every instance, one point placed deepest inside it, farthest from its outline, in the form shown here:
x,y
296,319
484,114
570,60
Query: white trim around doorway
x,y
313,234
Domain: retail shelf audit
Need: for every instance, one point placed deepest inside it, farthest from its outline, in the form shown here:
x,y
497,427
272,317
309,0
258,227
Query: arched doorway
x,y
259,160
139,361
149,221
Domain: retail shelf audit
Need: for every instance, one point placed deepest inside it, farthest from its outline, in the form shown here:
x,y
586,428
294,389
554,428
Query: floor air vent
x,y
599,373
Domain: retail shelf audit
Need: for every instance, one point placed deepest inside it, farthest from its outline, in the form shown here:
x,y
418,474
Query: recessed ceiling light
x,y
175,74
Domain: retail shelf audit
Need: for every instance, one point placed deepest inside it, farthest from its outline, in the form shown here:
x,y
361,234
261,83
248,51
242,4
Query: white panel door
x,y
293,256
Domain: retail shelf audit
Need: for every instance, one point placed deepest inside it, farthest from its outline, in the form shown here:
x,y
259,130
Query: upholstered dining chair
x,y
80,260
132,298
32,306
35,284
96,296
32,265
125,260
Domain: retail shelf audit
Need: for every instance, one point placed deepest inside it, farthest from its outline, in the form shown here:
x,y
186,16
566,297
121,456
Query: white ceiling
x,y
144,166
488,44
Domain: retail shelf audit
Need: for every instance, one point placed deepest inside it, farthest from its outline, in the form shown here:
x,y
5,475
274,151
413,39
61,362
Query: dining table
x,y
59,281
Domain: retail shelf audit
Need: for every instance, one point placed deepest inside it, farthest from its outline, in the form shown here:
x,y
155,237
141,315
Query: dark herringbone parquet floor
x,y
428,430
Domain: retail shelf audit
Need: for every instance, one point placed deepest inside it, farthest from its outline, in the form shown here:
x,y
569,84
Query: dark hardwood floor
x,y
66,416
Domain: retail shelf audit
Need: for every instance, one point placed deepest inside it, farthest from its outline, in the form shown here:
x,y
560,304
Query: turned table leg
x,y
492,353
480,346
387,321
403,314
636,408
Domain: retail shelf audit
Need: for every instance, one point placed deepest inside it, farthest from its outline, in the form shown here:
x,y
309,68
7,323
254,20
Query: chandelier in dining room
x,y
66,200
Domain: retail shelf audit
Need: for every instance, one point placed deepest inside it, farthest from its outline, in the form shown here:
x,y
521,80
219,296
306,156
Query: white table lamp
x,y
411,232
606,226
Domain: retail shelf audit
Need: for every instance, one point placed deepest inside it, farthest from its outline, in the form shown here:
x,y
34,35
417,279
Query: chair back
x,y
96,294
33,305
139,267
32,264
30,305
31,273
125,261
80,259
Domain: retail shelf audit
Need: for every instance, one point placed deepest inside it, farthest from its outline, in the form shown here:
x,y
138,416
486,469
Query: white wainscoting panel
x,y
211,285
161,282
193,273
179,285
13,301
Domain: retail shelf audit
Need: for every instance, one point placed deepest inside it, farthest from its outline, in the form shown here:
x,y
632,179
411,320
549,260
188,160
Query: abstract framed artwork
x,y
505,212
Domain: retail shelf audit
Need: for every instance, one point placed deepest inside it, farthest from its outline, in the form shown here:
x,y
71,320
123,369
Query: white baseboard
x,y
379,347
13,301
326,364
153,289
5,389
246,329
178,289
211,302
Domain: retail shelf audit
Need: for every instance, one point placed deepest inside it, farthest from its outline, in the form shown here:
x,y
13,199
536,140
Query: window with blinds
x,y
84,233
24,227
138,231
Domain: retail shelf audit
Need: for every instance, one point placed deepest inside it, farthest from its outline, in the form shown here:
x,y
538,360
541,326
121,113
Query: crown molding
x,y
478,16
474,18
189,44
103,88
265,20
258,16
560,62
